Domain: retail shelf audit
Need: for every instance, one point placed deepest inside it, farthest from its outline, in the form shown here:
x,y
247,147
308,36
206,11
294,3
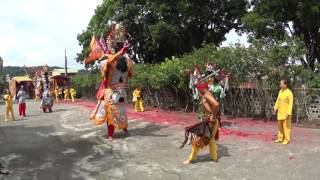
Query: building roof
x,y
21,79
59,72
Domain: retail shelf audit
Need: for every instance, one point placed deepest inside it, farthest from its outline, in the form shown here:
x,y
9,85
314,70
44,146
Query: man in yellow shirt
x,y
66,94
283,107
56,93
72,93
8,99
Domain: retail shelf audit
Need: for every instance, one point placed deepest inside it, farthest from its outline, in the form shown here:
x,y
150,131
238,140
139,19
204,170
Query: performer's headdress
x,y
117,37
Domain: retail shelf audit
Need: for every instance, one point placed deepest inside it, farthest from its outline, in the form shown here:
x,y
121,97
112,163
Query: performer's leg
x,y
212,142
72,97
136,106
12,114
110,131
287,130
141,105
193,155
280,131
6,115
213,149
24,107
20,109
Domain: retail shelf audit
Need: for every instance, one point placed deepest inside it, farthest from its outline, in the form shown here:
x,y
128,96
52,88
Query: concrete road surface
x,y
65,145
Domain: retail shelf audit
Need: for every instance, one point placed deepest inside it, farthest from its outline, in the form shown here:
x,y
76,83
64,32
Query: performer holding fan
x,y
116,69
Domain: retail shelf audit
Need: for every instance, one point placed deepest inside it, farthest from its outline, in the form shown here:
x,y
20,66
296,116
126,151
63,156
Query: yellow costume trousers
x,y
72,97
212,147
66,97
9,109
138,105
284,130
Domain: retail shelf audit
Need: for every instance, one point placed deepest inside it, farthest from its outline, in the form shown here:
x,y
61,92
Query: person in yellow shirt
x,y
283,108
66,94
72,93
138,100
8,99
60,92
56,93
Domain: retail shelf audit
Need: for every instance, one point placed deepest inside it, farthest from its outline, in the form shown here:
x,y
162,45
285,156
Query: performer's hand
x,y
126,44
92,116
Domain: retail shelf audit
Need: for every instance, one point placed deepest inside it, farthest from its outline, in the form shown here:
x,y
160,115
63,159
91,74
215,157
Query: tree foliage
x,y
275,20
165,28
273,61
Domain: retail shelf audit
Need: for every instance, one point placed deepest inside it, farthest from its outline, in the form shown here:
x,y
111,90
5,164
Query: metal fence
x,y
260,103
239,102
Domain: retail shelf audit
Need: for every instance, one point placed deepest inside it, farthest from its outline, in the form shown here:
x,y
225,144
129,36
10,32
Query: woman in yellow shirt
x,y
8,99
283,108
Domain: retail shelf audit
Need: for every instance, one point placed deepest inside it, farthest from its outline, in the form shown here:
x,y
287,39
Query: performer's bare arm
x,y
214,104
95,109
130,65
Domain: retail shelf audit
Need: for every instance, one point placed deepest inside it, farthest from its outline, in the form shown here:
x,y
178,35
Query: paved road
x,y
65,145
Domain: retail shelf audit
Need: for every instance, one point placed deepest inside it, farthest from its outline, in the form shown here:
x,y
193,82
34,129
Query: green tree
x,y
165,28
275,20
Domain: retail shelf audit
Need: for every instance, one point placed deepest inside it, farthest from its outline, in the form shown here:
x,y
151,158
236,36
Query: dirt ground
x,y
66,145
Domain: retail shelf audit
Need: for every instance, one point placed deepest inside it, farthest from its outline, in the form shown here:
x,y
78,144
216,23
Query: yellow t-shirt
x,y
72,91
284,104
137,93
8,99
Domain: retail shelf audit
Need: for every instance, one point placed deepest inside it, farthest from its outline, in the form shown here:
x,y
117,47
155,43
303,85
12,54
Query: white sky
x,y
36,32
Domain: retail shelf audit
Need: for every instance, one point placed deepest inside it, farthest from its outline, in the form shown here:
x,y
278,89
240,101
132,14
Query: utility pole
x,y
65,64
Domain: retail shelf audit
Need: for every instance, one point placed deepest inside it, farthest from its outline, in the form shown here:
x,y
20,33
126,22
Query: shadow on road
x,y
148,130
59,110
222,152
43,153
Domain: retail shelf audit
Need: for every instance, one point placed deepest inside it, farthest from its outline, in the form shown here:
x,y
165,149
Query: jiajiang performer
x,y
116,68
204,133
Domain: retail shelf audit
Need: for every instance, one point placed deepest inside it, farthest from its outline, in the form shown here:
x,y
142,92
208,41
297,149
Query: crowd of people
x,y
46,98
65,93
208,91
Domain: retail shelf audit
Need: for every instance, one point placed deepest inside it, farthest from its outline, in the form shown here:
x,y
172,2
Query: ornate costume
x,y
206,132
116,69
47,98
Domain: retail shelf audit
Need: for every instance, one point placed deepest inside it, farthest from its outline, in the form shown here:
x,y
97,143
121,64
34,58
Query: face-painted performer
x,y
206,132
47,99
116,69
218,84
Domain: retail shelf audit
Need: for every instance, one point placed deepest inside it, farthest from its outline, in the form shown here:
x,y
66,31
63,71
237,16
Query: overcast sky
x,y
36,32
